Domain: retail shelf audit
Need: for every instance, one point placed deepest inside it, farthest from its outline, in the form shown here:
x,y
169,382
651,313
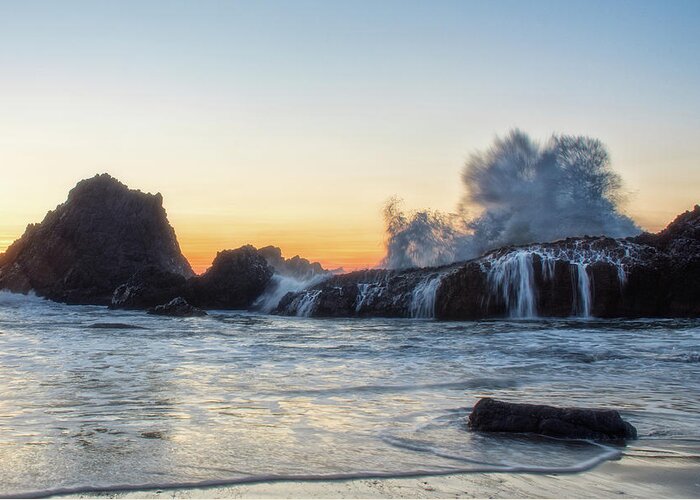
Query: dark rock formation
x,y
490,415
600,277
108,244
92,243
676,284
234,280
649,275
296,267
177,307
680,239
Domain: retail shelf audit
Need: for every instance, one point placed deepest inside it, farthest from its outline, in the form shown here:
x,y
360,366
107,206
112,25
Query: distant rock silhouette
x,y
296,267
92,243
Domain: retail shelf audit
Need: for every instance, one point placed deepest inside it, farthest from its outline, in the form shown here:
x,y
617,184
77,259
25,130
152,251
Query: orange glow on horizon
x,y
350,246
350,251
200,262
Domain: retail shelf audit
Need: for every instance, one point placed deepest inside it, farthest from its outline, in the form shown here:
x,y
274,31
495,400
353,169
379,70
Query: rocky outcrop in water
x,y
584,277
95,241
377,292
234,280
490,415
290,275
177,307
649,275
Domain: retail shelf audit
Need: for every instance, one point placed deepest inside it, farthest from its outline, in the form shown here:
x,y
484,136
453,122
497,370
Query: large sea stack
x,y
95,241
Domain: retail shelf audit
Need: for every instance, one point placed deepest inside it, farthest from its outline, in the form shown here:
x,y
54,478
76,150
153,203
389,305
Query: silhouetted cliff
x,y
96,240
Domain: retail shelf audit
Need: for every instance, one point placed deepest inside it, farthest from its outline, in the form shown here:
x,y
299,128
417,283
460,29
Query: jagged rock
x,y
679,279
296,267
234,280
92,243
177,307
490,415
148,287
681,238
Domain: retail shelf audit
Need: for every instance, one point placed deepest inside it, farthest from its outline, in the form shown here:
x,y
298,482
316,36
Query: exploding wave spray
x,y
517,192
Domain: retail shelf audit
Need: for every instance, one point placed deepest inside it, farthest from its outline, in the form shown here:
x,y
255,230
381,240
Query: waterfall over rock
x,y
307,302
423,298
513,280
550,279
512,277
580,277
582,304
367,294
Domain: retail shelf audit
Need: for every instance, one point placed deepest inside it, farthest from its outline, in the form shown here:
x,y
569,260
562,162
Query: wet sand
x,y
628,477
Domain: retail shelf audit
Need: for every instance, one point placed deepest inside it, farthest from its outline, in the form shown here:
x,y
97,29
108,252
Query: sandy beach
x,y
629,477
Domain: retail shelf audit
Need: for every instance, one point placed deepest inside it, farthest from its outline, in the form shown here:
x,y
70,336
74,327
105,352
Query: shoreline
x,y
627,477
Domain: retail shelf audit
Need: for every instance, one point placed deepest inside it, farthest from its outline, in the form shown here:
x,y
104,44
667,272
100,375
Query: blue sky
x,y
288,120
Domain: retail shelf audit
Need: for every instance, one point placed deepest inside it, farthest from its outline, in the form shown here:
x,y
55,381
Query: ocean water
x,y
95,399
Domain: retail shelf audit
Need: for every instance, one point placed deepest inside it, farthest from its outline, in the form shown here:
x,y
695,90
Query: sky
x,y
292,122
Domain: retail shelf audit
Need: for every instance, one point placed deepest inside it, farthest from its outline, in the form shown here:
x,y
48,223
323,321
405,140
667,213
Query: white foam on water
x,y
11,299
607,453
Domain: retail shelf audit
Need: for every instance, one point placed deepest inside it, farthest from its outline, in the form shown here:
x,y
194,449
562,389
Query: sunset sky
x,y
291,123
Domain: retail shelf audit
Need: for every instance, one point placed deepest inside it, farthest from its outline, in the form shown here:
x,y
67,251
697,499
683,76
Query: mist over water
x,y
516,192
